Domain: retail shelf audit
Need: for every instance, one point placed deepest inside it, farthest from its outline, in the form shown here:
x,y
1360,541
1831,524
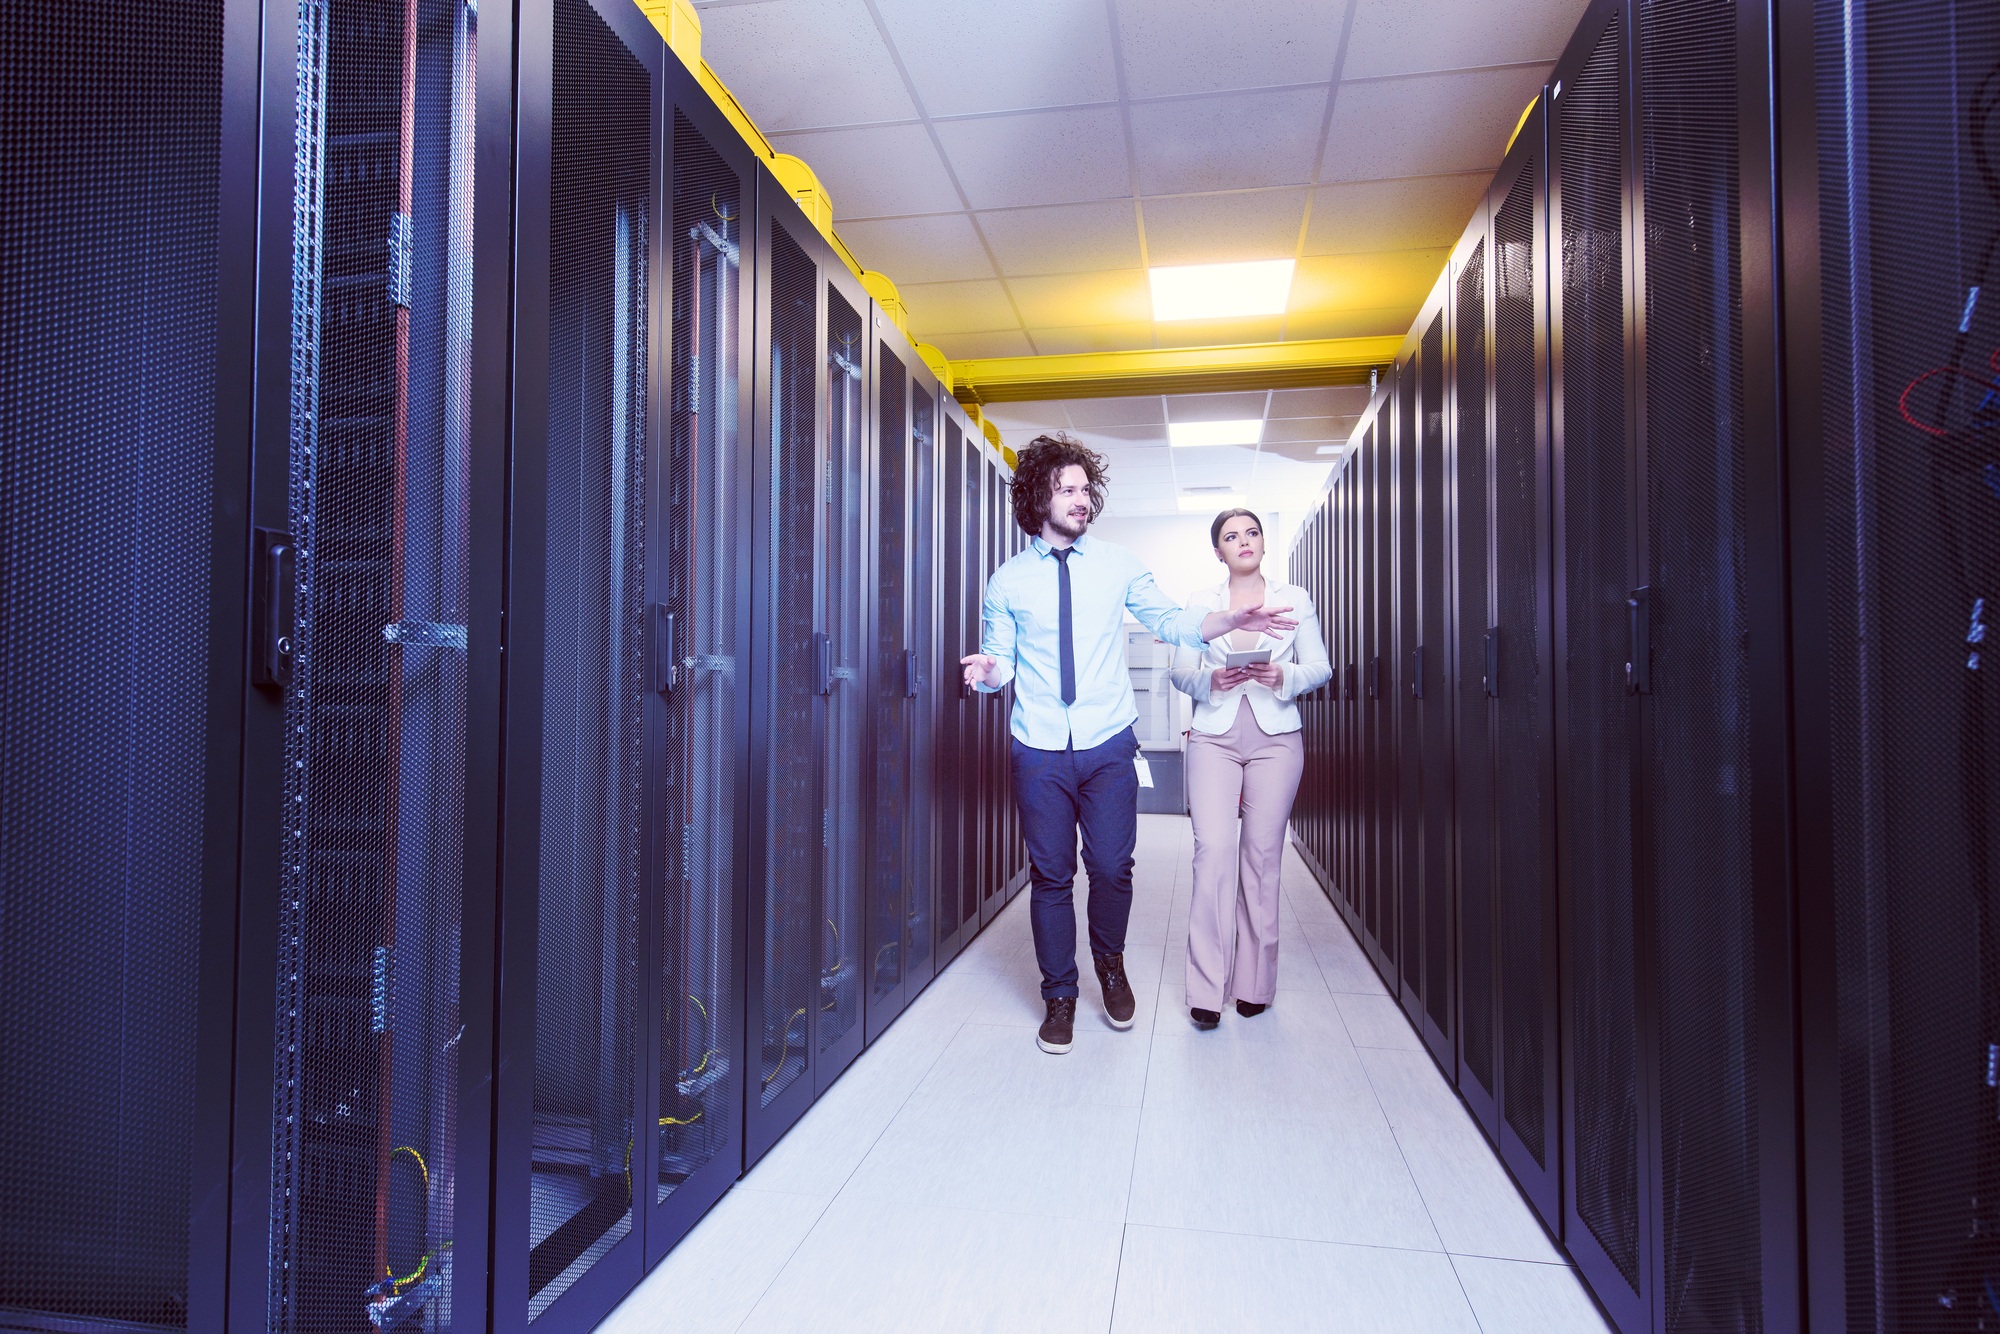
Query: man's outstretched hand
x,y
978,668
1265,620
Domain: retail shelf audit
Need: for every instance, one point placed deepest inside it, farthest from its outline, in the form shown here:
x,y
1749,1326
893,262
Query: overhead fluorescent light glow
x,y
1190,435
1211,502
1221,291
1331,449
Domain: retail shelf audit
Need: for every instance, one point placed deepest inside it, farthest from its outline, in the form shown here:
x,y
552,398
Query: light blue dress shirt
x,y
1022,634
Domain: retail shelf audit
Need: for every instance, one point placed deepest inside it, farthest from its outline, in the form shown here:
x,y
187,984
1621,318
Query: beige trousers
x,y
1233,924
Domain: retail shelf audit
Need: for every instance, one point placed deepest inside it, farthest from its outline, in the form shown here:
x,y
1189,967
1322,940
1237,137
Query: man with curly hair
x,y
1053,625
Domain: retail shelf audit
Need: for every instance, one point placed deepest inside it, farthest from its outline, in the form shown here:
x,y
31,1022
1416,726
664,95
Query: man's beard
x,y
1062,524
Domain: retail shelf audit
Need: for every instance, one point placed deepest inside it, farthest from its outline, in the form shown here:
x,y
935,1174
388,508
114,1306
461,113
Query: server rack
x,y
958,916
364,972
579,881
1520,692
126,401
1890,210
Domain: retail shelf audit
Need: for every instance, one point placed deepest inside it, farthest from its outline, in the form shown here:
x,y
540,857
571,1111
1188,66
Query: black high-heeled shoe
x,y
1204,1019
1250,1011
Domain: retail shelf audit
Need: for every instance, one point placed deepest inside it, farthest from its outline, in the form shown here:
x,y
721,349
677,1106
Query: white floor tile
x,y
1058,1162
1331,1178
712,1279
873,1266
1186,1280
1473,1202
1225,1071
990,1065
1377,1021
1515,1298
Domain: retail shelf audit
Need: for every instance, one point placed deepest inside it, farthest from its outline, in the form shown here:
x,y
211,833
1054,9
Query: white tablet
x,y
1249,657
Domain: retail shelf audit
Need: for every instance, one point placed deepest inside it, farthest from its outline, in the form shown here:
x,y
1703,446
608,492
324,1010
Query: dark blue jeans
x,y
1058,790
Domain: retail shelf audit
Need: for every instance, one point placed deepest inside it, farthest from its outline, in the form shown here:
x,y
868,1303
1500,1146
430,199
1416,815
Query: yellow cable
x,y
397,1285
785,1048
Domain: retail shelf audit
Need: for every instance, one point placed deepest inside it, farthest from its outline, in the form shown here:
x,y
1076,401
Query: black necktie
x,y
1067,636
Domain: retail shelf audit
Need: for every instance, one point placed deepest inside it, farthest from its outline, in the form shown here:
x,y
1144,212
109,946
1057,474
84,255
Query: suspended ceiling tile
x,y
1152,440
1358,216
1038,157
1093,338
795,64
966,346
1426,125
1064,238
1181,46
1303,451
1396,37
940,247
877,170
1215,407
1219,229
952,308
1233,142
1139,410
972,55
1383,322
1025,416
1328,401
1217,333
1079,300
1292,430
1365,282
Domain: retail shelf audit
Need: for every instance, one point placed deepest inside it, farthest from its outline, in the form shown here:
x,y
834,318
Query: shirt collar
x,y
1043,549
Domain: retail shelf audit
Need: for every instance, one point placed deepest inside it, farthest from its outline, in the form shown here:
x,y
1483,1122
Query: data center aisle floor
x,y
1305,1170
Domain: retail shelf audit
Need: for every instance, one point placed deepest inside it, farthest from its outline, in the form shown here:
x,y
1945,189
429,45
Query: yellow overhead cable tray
x,y
1177,370
678,22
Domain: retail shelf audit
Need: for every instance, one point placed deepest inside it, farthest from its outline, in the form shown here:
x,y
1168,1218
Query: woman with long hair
x,y
1244,759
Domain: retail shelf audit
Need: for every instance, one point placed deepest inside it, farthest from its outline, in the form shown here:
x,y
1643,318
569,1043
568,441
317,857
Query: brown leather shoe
x,y
1119,1002
1059,1029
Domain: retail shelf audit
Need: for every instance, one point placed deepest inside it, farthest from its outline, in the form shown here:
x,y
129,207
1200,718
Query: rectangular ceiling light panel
x,y
1221,291
1190,435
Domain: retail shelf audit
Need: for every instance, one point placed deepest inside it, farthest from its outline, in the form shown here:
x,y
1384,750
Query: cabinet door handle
x,y
1417,672
822,662
1492,681
663,672
909,673
1375,677
1639,615
275,574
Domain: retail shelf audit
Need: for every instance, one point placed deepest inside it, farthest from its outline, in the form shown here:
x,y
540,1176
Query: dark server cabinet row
x,y
1653,774
479,639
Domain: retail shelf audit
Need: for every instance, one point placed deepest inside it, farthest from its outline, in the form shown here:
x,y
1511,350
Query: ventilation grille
x,y
1519,819
1910,228
794,927
591,901
1597,849
701,483
917,942
108,218
1406,822
891,724
950,781
1699,757
1474,761
845,601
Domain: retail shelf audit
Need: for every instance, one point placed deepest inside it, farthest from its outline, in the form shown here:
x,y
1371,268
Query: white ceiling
x,y
1016,166
1149,477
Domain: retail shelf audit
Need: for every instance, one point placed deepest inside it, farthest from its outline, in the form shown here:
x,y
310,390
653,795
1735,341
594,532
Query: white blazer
x,y
1301,652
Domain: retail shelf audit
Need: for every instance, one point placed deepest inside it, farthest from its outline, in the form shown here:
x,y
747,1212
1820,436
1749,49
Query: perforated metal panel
x,y
699,1089
1431,676
1474,759
1596,759
918,900
1374,732
1908,113
1406,748
889,849
109,182
1698,761
1521,880
364,1165
845,602
796,832
953,644
592,888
